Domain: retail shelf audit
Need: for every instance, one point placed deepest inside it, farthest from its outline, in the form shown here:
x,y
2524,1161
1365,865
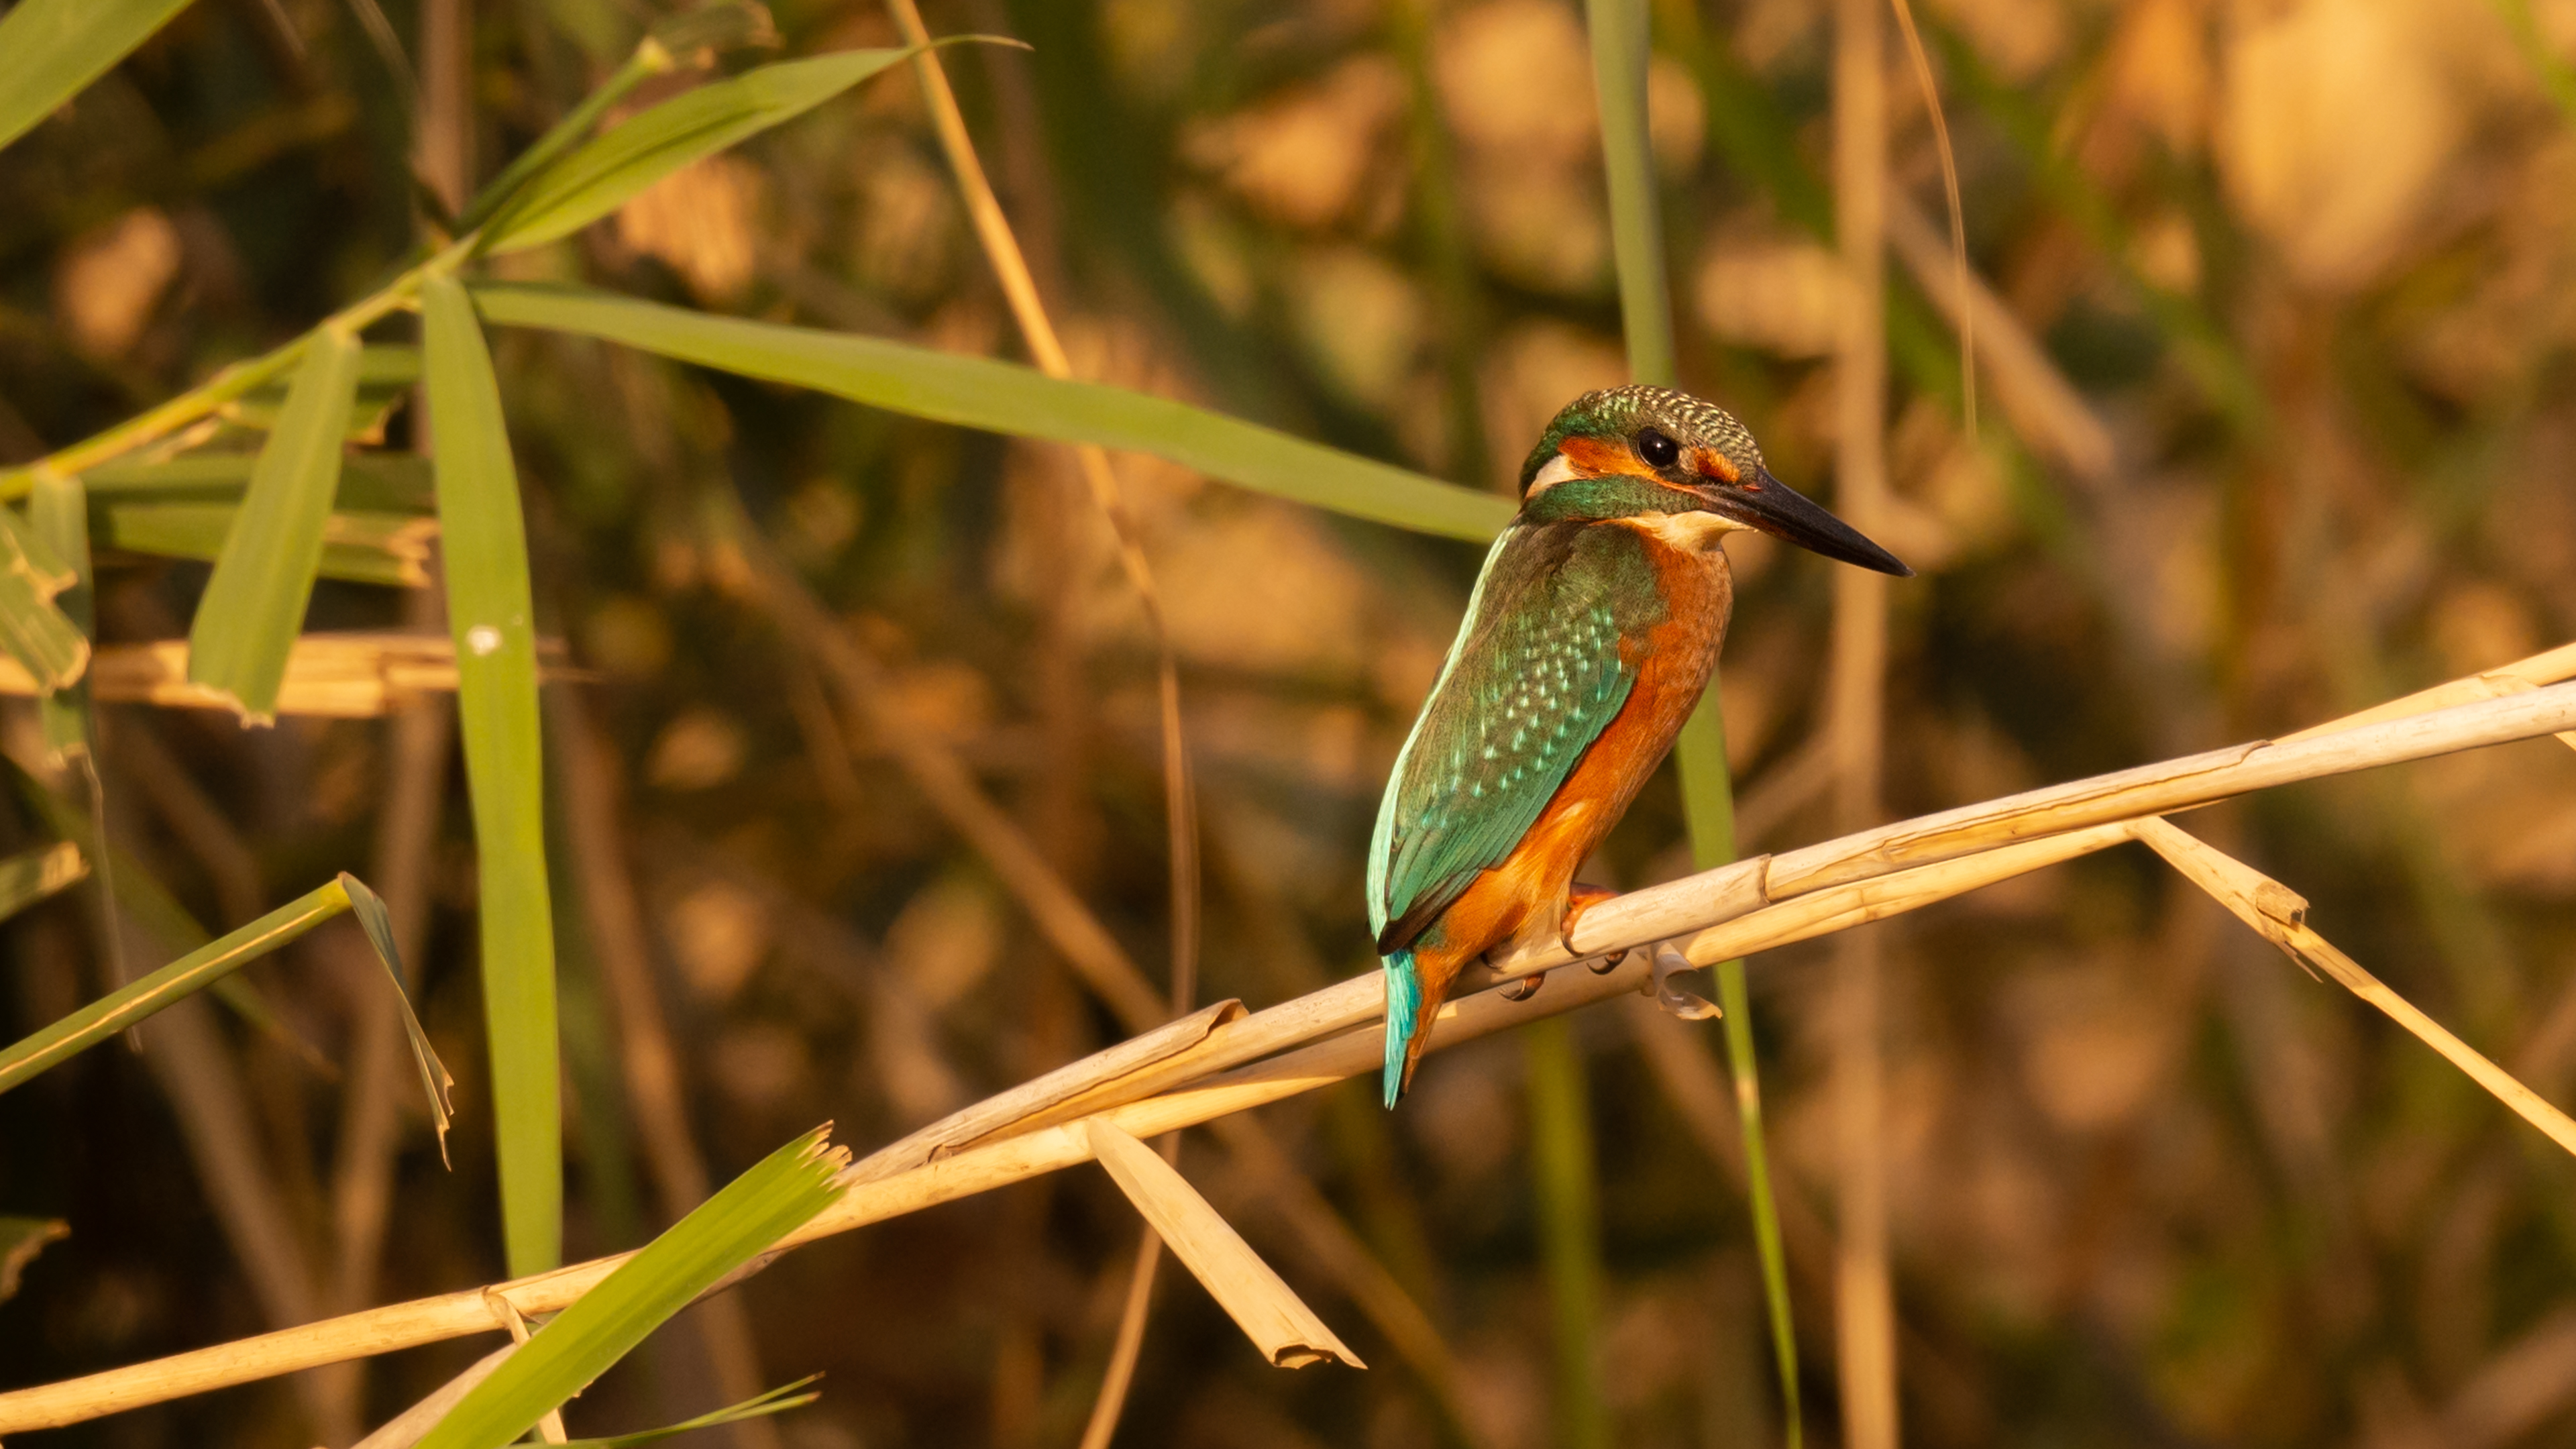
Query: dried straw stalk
x,y
1328,1035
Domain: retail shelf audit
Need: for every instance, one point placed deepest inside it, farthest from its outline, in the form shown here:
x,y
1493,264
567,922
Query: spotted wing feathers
x,y
1535,677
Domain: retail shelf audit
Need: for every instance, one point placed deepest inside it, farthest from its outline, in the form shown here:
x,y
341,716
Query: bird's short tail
x,y
1403,1009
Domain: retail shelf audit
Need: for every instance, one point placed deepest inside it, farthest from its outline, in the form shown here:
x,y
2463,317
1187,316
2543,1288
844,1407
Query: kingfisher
x,y
1592,630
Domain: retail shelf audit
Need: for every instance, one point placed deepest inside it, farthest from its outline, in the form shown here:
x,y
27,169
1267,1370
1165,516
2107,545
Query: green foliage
x,y
491,616
50,49
194,972
253,606
58,517
978,392
726,1231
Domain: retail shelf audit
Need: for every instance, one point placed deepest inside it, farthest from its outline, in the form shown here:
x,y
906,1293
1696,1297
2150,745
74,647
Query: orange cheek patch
x,y
1594,456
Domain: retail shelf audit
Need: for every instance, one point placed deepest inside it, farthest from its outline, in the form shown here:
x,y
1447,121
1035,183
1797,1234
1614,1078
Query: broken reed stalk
x,y
1326,1036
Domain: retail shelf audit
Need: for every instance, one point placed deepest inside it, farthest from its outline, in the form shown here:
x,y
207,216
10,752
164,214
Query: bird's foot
x,y
1525,988
1668,962
1578,899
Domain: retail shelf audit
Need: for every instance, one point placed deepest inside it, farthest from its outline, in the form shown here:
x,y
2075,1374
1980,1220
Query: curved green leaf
x,y
49,49
378,923
253,606
58,515
1003,397
491,616
604,174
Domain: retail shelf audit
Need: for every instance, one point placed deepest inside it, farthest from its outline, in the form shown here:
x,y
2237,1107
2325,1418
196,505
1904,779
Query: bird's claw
x,y
1578,899
1525,988
1668,962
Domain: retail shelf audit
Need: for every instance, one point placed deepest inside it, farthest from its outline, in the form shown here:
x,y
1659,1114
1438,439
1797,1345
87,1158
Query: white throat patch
x,y
1694,531
1558,469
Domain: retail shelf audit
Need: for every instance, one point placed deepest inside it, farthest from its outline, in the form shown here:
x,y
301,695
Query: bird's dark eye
x,y
1658,450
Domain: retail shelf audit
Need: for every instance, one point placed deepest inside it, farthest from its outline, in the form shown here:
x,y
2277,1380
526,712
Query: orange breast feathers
x,y
1525,895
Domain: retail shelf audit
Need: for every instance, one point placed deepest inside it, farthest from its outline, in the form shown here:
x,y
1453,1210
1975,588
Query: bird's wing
x,y
1534,678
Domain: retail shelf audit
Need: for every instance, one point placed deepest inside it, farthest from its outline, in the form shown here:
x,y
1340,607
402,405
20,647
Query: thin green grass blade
x,y
254,604
390,549
58,515
49,49
33,627
492,618
34,875
369,482
21,1239
1620,35
777,1401
726,1231
1708,806
1002,397
1621,41
604,174
1569,1210
192,973
378,923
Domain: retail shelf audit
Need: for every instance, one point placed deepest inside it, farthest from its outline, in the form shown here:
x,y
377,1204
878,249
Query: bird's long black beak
x,y
1764,502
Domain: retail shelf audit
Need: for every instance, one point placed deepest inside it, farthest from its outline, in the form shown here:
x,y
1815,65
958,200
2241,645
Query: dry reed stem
x,y
1286,1191
2280,914
2161,789
550,1424
1327,1030
1864,1311
333,675
1035,1102
1260,1302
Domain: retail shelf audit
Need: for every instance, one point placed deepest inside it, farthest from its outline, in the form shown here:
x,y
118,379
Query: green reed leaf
x,y
50,49
391,549
369,482
192,973
1621,47
58,515
602,175
490,613
726,1231
253,606
1002,397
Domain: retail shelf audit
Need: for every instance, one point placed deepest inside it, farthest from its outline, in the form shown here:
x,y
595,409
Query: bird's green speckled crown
x,y
1619,411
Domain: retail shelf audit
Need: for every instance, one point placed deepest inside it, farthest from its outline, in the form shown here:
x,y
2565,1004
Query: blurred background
x,y
2295,433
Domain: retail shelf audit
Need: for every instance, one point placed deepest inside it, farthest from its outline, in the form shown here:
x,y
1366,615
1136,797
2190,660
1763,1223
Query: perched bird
x,y
1592,630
